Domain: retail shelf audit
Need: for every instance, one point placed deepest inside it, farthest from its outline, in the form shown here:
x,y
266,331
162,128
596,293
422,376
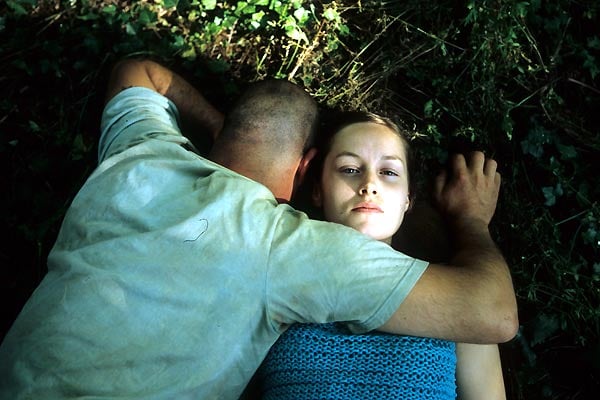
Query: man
x,y
173,275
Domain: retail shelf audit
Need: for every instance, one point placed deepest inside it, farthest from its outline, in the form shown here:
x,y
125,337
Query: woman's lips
x,y
368,208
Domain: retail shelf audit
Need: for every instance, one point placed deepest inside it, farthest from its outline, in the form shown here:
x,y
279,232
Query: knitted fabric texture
x,y
326,361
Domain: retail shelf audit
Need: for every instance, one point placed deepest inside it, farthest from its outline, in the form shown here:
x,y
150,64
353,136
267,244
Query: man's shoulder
x,y
132,116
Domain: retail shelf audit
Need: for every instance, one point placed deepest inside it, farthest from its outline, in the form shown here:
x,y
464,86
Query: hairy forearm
x,y
492,290
469,300
195,111
198,117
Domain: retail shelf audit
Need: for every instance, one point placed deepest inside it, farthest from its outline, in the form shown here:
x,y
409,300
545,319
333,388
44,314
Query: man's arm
x,y
197,114
472,300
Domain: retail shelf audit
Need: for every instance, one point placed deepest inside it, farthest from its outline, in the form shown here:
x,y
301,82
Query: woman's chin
x,y
375,234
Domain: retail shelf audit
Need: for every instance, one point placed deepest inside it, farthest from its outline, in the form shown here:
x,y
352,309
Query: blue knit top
x,y
312,361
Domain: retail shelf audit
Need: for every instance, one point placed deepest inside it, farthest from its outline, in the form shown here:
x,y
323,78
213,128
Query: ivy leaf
x,y
589,236
331,15
130,29
534,143
178,42
16,7
209,4
544,327
594,43
110,9
428,108
170,3
567,152
218,66
244,8
189,53
302,15
147,17
558,190
343,29
528,148
292,30
590,64
34,127
256,19
521,9
552,193
79,148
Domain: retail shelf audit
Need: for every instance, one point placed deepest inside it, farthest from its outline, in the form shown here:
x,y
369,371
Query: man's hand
x,y
470,193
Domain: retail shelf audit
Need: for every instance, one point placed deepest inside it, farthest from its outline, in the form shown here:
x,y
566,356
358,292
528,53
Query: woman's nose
x,y
368,187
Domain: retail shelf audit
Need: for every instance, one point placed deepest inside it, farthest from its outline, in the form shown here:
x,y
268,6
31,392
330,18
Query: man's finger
x,y
476,160
459,164
440,182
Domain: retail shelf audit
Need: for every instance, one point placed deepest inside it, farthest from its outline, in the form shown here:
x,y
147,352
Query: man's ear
x,y
303,166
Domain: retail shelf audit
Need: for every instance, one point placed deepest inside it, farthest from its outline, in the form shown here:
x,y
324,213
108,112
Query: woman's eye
x,y
349,170
388,172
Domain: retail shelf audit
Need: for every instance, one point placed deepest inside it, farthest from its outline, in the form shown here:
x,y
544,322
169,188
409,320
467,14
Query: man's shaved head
x,y
276,114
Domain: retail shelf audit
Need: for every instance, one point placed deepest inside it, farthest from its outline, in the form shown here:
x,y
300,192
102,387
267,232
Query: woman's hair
x,y
333,122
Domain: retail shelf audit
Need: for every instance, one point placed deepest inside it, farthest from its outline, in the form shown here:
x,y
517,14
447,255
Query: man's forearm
x,y
195,111
470,301
197,115
492,287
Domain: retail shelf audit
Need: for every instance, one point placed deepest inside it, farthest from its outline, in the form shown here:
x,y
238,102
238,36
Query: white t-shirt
x,y
172,276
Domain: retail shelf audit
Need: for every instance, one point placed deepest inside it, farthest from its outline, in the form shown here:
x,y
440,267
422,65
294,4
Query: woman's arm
x,y
479,372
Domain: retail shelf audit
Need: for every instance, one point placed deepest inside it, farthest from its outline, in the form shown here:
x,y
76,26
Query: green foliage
x,y
518,79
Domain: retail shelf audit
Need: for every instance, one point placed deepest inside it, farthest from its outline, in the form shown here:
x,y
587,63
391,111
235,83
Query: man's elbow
x,y
511,326
127,73
504,325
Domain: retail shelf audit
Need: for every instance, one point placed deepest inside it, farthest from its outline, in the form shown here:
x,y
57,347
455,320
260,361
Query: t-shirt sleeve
x,y
323,272
134,116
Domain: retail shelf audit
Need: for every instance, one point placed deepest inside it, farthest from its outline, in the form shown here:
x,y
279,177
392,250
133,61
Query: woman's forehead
x,y
368,137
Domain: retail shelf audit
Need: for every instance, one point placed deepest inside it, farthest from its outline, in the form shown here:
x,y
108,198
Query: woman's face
x,y
364,184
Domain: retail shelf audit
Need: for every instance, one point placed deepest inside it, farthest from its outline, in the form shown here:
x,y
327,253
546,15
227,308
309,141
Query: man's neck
x,y
280,185
248,162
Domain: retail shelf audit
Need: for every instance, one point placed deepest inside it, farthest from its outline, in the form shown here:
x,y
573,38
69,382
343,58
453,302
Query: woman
x,y
363,182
